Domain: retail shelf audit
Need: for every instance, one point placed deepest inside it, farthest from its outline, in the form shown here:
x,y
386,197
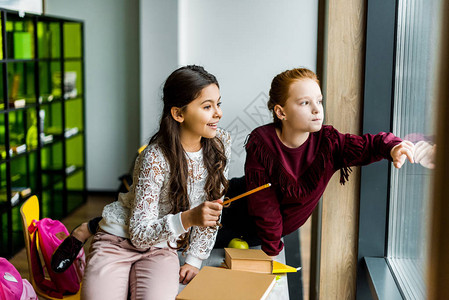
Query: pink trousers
x,y
116,269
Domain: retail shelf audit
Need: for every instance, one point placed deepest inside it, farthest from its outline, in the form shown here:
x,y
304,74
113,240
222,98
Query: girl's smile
x,y
199,119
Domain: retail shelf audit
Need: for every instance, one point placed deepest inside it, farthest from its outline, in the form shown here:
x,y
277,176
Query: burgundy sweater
x,y
300,175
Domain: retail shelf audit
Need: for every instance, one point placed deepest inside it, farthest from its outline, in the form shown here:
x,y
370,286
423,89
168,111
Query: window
x,y
401,47
413,118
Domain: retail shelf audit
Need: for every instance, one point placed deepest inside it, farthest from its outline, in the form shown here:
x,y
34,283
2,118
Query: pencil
x,y
247,193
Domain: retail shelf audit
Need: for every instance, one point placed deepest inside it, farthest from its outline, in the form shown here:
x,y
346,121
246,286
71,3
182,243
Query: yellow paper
x,y
281,268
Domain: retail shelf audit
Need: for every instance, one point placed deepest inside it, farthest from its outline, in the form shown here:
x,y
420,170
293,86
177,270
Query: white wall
x,y
112,84
158,58
245,44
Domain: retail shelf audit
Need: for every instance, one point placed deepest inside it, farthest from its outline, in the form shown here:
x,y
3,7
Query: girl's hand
x,y
402,151
205,214
186,273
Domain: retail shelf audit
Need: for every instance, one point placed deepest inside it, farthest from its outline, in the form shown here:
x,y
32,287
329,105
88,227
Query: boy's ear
x,y
176,113
279,111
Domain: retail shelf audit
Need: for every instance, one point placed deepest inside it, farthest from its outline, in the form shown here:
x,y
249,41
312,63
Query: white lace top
x,y
142,214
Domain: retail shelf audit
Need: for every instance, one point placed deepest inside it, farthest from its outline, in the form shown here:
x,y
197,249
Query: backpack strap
x,y
38,271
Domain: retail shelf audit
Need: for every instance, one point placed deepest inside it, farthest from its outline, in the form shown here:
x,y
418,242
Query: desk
x,y
280,290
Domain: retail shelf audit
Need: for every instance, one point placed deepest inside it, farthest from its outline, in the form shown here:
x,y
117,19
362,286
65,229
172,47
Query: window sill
x,y
381,282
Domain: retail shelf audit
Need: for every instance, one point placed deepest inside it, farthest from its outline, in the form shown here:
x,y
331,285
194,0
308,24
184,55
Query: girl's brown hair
x,y
182,87
280,88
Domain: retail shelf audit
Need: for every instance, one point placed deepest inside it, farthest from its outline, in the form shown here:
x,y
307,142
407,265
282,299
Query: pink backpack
x,y
50,234
12,286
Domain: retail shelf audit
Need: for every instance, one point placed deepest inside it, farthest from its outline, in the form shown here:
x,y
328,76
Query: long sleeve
x,y
357,150
264,207
146,228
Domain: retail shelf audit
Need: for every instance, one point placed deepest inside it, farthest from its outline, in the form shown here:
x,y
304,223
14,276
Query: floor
x,y
94,206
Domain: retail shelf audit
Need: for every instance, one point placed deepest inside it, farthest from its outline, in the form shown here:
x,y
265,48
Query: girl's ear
x,y
279,111
177,114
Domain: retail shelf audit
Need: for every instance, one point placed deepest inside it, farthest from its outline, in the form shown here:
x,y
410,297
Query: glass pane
x,y
4,229
50,81
48,39
3,195
8,246
21,88
74,152
75,187
52,180
74,114
22,131
31,138
2,99
52,202
19,37
2,138
17,232
50,116
74,171
23,177
51,160
1,38
414,113
17,125
72,40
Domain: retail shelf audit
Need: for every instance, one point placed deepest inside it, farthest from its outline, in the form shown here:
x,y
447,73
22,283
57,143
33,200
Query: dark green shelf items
x,y
42,120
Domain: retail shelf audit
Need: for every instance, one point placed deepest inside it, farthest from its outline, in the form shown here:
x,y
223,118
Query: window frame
x,y
374,277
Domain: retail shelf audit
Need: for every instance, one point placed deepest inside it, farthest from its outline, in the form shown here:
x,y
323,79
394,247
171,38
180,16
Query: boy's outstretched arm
x,y
400,152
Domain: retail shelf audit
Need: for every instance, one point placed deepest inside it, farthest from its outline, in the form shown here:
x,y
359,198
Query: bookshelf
x,y
42,121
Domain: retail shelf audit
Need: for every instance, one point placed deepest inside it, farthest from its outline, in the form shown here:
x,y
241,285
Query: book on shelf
x,y
253,260
71,131
46,138
22,191
19,103
14,198
18,149
70,169
224,284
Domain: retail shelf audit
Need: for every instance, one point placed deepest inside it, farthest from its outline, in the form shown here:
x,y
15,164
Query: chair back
x,y
29,211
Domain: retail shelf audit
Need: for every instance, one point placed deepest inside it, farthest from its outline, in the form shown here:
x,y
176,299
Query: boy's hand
x,y
186,273
402,151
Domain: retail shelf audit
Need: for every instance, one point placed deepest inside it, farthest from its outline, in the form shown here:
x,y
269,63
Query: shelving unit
x,y
42,140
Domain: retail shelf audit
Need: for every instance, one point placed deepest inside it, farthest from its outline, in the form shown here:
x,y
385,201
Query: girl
x,y
172,203
298,156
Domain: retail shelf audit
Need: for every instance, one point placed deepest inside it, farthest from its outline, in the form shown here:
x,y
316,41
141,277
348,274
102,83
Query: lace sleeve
x,y
202,239
146,228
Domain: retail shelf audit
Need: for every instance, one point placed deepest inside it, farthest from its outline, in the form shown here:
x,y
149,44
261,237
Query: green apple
x,y
238,243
